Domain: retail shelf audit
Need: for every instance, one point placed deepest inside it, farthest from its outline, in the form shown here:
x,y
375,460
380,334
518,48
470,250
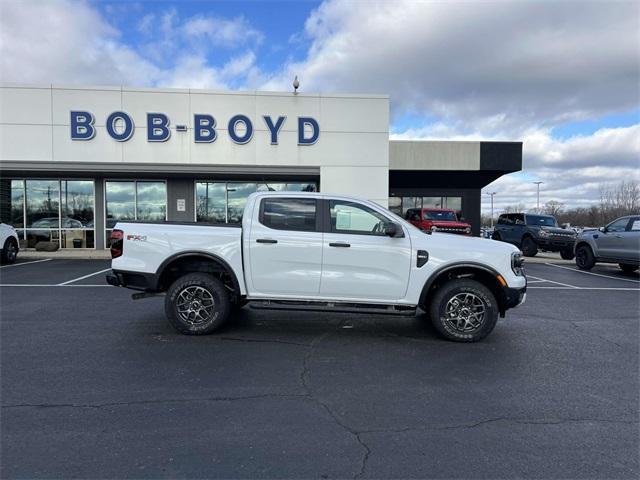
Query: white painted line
x,y
591,273
623,289
26,263
82,278
47,285
551,281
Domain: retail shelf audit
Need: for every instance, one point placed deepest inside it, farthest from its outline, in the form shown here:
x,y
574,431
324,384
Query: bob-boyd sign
x,y
121,128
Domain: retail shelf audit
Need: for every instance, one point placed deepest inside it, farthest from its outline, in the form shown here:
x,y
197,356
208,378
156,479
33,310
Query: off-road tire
x,y
585,260
627,267
191,285
9,251
529,247
444,294
567,254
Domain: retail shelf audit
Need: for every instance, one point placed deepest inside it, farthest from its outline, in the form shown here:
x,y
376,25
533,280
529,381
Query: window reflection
x,y
210,202
400,205
120,202
77,198
43,201
237,194
151,201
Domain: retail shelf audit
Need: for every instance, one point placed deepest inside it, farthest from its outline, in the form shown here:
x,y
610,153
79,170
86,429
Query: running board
x,y
334,307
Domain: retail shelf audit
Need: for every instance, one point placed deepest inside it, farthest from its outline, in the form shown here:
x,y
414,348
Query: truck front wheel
x,y
463,310
197,304
529,247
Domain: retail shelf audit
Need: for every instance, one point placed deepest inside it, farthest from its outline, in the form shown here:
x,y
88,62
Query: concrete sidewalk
x,y
66,254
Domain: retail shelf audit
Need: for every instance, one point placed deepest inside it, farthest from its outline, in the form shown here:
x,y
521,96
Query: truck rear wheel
x,y
567,254
584,257
463,310
197,304
9,251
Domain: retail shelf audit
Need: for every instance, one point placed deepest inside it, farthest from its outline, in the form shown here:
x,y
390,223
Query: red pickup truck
x,y
437,220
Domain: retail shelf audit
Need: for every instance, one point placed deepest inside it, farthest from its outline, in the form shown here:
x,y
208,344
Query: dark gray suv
x,y
532,232
618,242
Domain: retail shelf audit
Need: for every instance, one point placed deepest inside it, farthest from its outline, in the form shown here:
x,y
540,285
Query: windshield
x,y
541,221
444,216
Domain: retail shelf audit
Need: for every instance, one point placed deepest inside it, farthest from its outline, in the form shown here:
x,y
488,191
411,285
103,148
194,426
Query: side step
x,y
335,307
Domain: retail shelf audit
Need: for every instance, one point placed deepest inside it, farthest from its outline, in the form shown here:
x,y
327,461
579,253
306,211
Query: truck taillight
x,y
117,242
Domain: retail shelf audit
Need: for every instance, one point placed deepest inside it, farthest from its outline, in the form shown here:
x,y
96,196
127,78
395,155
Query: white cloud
x,y
506,65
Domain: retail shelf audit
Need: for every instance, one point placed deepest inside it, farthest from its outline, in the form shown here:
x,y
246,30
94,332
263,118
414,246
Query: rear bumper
x,y
146,282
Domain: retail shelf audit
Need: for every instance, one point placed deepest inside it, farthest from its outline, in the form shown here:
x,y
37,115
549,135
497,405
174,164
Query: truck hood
x,y
557,230
468,248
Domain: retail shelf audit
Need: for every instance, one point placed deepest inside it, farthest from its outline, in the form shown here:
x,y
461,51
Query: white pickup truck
x,y
312,251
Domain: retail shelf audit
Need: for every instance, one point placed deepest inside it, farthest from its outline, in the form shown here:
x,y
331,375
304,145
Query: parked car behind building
x,y
618,242
535,232
9,243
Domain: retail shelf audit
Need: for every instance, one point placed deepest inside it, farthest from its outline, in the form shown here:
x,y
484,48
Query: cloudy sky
x,y
563,77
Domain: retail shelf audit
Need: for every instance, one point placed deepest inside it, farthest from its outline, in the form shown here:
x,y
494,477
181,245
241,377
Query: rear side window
x,y
298,214
504,220
635,224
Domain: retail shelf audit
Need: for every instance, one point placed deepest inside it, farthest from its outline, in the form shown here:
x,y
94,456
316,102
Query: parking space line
x,y
83,277
623,289
46,285
26,263
551,281
591,273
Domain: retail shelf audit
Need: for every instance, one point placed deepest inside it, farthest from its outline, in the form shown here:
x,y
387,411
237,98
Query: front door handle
x,y
266,240
340,244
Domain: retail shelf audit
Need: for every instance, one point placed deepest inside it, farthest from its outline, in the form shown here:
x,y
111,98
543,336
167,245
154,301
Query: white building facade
x,y
75,160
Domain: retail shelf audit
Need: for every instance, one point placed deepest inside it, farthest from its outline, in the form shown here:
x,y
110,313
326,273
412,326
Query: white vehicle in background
x,y
9,244
311,251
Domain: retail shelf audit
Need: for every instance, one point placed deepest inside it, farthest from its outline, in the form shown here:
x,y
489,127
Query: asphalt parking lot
x,y
96,385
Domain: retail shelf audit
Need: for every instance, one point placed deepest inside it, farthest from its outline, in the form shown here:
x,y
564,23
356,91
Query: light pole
x,y
538,201
491,194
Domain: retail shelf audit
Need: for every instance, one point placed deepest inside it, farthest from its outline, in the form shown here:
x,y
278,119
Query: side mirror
x,y
391,229
603,229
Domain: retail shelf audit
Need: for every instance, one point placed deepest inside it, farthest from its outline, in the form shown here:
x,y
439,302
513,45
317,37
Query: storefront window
x,y
237,194
133,200
211,202
395,205
224,202
410,202
431,202
400,205
151,201
59,211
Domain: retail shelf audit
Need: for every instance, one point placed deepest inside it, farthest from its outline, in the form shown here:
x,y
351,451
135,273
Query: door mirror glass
x,y
603,229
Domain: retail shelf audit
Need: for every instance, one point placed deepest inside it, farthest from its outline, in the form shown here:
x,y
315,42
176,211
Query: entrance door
x,y
285,247
359,260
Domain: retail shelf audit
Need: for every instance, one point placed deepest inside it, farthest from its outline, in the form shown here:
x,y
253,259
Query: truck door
x,y
285,247
611,241
359,260
632,240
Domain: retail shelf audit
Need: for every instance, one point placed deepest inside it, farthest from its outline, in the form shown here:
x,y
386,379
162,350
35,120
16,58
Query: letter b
x,y
82,125
204,128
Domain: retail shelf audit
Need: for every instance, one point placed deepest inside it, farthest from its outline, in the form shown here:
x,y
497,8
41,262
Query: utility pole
x,y
491,194
538,201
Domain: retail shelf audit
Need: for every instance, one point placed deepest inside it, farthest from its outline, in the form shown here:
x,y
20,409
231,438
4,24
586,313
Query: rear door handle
x,y
340,244
266,240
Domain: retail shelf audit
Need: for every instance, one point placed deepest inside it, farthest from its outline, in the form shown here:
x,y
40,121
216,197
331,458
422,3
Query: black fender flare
x,y
198,253
452,266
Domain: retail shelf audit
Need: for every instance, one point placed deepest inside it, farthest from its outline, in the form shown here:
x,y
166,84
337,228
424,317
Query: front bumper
x,y
514,297
554,244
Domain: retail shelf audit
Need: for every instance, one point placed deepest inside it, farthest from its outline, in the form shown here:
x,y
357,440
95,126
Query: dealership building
x,y
75,160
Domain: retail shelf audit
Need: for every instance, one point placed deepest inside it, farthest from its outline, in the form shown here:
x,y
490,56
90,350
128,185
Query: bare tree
x,y
553,207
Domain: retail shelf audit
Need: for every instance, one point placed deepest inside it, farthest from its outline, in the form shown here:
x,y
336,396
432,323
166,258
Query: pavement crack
x,y
520,421
578,327
260,340
154,402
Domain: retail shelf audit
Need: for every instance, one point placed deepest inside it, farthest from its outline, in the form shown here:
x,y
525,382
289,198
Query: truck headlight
x,y
517,262
467,230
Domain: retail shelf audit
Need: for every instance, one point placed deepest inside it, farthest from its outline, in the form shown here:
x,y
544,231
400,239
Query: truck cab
x,y
437,220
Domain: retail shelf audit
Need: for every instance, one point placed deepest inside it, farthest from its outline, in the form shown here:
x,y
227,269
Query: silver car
x,y
618,242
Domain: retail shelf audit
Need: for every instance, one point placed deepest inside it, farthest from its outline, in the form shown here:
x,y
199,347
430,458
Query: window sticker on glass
x,y
343,219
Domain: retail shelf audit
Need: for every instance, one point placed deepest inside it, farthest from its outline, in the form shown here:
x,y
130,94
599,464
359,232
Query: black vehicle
x,y
535,232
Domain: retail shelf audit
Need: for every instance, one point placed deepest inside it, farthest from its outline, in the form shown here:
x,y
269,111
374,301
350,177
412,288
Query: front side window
x,y
619,225
350,217
635,224
297,214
